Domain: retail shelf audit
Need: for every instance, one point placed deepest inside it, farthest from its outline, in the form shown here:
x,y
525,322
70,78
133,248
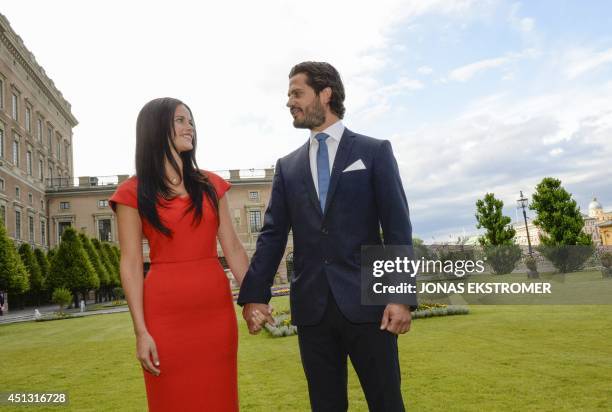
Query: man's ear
x,y
326,95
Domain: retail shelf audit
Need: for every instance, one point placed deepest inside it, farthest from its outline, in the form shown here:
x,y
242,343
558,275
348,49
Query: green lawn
x,y
550,358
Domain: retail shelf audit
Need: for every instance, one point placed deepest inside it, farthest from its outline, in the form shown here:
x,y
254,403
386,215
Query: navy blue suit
x,y
325,287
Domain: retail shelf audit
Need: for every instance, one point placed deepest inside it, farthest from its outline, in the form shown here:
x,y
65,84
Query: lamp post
x,y
523,202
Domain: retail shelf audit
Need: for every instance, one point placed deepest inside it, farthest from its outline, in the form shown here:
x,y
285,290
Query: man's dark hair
x,y
320,75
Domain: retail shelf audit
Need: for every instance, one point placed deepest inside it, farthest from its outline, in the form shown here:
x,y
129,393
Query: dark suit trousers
x,y
324,349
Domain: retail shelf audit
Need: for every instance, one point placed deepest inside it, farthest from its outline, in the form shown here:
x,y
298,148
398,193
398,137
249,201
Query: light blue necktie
x,y
322,168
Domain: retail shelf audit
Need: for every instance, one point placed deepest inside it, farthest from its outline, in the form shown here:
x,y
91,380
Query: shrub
x,y
62,297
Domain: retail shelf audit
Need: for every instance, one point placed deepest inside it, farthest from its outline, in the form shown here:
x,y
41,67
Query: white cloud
x,y
503,144
523,24
425,70
581,61
556,151
527,24
465,73
229,61
468,71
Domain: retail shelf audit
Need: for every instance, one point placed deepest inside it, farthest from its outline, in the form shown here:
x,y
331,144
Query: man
x,y
334,192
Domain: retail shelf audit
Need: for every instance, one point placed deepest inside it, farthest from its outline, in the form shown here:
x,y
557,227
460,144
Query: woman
x,y
183,313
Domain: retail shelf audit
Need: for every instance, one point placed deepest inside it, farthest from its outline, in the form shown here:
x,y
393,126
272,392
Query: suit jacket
x,y
327,244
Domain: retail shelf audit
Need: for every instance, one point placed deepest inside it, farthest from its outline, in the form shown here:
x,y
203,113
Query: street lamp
x,y
523,203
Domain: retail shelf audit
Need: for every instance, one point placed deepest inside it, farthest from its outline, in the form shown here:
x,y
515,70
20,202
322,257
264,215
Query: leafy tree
x,y
114,279
70,267
37,282
95,260
113,258
13,274
498,241
62,297
43,264
564,243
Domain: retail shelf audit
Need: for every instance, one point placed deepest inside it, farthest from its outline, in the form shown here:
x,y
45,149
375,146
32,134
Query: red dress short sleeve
x,y
126,194
220,184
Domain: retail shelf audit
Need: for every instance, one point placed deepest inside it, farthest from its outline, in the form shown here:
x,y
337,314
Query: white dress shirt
x,y
335,132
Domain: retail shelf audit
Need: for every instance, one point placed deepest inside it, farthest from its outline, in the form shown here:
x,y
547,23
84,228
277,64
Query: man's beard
x,y
314,116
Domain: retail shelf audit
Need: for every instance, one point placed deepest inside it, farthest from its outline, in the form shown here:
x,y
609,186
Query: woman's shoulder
x,y
220,184
126,193
129,184
212,176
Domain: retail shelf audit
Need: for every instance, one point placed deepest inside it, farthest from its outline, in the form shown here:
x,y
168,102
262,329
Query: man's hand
x,y
256,314
396,318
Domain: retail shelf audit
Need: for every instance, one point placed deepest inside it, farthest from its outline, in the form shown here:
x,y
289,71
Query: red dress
x,y
188,308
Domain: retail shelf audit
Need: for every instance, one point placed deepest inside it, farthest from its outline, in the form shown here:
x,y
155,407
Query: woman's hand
x,y
146,353
259,319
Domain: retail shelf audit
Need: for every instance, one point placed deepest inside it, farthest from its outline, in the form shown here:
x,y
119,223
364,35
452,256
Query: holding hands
x,y
256,315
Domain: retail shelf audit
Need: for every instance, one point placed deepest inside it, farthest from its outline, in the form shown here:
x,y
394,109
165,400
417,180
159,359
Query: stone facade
x,y
35,139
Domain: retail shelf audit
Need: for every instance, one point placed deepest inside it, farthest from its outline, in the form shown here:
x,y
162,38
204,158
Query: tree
x,y
113,259
62,297
13,274
43,264
37,282
116,251
498,241
114,279
564,243
70,267
95,260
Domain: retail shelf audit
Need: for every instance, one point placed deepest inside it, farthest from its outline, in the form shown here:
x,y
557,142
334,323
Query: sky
x,y
475,96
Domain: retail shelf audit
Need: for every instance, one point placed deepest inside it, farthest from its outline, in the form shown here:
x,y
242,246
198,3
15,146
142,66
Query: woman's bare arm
x,y
233,250
130,241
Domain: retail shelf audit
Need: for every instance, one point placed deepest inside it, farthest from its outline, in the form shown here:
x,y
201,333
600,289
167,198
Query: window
x,y
1,184
1,142
40,170
42,204
103,203
17,224
30,198
16,151
59,148
29,162
50,175
61,226
254,196
3,215
39,127
15,106
28,119
104,230
31,228
255,220
49,139
64,205
17,192
43,232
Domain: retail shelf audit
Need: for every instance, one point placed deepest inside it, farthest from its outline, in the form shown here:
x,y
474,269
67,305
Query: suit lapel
x,y
307,177
342,156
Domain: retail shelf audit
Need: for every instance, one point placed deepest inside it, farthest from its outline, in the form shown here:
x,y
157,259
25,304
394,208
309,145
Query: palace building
x,y
39,197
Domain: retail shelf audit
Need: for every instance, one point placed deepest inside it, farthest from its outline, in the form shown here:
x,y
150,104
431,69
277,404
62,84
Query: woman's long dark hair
x,y
154,131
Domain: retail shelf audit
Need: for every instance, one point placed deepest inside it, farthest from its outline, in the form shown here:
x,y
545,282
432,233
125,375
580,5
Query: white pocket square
x,y
357,165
